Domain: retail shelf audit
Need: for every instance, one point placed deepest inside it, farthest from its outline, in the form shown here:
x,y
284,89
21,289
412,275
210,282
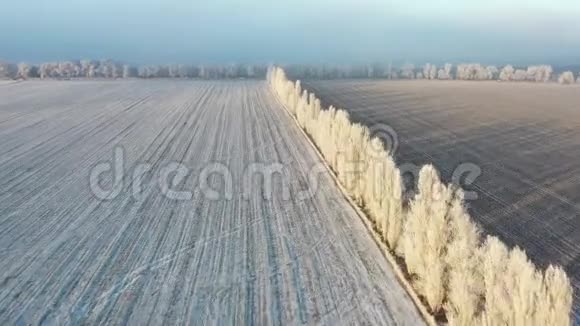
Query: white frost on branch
x,y
520,75
507,73
445,72
430,71
408,71
472,71
492,72
566,78
23,71
541,73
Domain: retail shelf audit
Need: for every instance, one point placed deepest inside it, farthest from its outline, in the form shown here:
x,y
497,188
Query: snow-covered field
x,y
169,246
7,82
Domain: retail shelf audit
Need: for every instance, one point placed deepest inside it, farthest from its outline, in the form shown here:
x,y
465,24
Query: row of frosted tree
x,y
448,71
471,279
112,70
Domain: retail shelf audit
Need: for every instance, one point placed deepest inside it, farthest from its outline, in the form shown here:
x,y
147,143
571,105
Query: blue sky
x,y
339,31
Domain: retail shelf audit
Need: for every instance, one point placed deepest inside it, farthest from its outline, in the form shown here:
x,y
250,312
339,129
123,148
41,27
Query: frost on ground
x,y
68,258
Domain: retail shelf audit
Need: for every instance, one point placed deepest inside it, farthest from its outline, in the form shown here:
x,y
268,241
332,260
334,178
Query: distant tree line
x,y
464,71
112,70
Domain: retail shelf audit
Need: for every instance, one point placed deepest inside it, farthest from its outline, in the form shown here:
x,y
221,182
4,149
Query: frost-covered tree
x,y
184,71
492,72
516,293
92,71
426,235
481,73
148,71
520,75
24,70
173,71
462,72
539,73
430,71
495,257
408,71
152,71
85,67
433,72
127,71
42,71
448,68
142,72
555,298
546,76
104,70
426,70
203,73
566,78
49,70
116,70
445,72
463,260
370,71
472,71
250,71
7,70
64,69
507,73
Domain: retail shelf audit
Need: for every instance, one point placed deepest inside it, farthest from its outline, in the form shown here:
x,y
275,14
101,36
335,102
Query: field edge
x,y
403,281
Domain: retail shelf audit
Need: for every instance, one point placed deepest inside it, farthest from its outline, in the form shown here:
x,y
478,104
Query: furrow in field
x,y
253,255
523,136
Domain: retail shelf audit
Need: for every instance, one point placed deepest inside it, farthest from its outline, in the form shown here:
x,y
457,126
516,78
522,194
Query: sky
x,y
299,31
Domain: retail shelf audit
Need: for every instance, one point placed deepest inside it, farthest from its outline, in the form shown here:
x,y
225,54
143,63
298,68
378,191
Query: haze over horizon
x,y
258,31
